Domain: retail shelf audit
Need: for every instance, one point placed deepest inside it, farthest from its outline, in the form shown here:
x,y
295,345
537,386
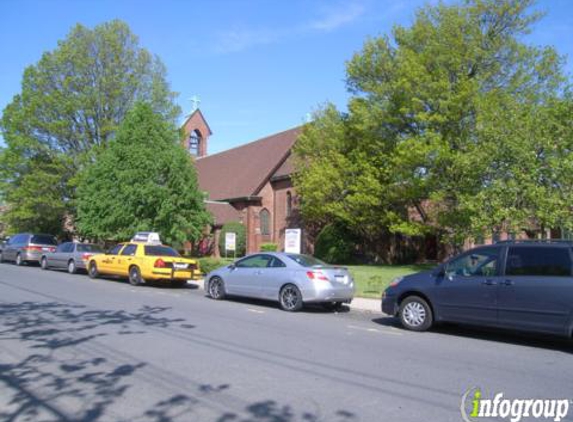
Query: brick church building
x,y
250,184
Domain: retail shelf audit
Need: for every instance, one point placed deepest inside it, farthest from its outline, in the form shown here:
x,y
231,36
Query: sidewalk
x,y
358,303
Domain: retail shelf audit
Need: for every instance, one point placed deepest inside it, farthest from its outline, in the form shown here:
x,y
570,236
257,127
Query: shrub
x,y
239,229
209,264
269,247
335,245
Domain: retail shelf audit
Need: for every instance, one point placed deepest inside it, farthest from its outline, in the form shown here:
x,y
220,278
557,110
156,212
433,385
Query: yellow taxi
x,y
141,261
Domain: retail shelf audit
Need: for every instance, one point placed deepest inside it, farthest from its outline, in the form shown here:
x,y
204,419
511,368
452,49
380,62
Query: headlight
x,y
396,281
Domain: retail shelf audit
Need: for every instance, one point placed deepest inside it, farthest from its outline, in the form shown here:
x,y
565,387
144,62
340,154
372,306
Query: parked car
x,y
144,261
522,285
3,243
70,255
27,248
290,279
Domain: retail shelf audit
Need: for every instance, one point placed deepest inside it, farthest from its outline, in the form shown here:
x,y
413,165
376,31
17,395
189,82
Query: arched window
x,y
288,204
194,142
265,217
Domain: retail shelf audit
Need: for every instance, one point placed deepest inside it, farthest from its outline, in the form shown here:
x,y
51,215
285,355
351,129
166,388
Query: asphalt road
x,y
75,349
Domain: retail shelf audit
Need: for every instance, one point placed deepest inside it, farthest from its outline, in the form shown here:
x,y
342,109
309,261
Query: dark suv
x,y
27,247
522,285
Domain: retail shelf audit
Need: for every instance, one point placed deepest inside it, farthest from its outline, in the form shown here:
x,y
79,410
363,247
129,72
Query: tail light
x,y
34,248
159,263
86,256
317,275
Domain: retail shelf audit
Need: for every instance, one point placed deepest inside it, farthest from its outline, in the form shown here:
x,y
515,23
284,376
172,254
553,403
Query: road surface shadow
x,y
309,308
149,283
542,341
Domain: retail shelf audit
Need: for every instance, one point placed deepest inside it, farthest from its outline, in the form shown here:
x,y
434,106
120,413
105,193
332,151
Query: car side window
x,y
538,261
115,250
62,247
129,250
255,261
276,263
477,263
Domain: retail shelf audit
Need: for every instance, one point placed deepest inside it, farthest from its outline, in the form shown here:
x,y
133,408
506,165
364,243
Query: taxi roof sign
x,y
147,237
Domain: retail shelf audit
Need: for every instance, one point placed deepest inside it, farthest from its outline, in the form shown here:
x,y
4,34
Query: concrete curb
x,y
358,303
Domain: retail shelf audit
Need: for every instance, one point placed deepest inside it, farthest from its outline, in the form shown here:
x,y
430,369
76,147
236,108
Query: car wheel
x,y
290,298
44,263
19,260
415,314
72,267
178,283
217,288
135,276
92,270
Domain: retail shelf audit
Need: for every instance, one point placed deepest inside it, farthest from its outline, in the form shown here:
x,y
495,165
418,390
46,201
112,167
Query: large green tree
x,y
436,125
144,180
70,105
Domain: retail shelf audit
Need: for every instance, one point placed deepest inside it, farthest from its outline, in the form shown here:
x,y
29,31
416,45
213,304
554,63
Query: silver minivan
x,y
27,248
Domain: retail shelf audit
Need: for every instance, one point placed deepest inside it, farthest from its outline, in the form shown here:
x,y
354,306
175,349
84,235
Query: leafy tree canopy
x,y
444,116
143,181
70,105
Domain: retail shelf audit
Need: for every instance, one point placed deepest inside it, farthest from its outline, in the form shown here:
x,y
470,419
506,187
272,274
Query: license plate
x,y
179,266
341,279
46,249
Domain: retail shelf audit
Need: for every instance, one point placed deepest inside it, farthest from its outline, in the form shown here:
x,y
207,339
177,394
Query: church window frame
x,y
265,222
195,140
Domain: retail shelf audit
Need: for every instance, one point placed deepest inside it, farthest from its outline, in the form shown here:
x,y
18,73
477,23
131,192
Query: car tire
x,y
72,269
92,270
290,298
178,283
415,314
135,276
19,260
216,288
44,263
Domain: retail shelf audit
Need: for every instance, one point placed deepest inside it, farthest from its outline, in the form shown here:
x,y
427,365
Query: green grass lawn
x,y
371,280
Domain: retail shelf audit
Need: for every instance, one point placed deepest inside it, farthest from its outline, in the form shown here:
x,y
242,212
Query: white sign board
x,y
230,241
293,240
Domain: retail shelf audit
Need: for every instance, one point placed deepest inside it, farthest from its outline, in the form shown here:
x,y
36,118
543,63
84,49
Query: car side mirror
x,y
232,267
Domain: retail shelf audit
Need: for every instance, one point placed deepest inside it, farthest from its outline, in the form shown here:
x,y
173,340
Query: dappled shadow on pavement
x,y
541,341
58,365
63,366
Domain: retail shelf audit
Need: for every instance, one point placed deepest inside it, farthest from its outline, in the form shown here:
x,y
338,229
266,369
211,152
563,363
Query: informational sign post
x,y
293,239
230,243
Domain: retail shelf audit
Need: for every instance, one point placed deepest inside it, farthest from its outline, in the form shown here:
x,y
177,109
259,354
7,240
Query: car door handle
x,y
508,283
489,282
259,272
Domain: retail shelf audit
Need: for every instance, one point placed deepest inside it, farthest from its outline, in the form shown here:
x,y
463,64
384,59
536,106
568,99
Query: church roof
x,y
242,171
222,212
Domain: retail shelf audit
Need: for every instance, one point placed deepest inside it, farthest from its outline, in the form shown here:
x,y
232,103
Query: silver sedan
x,y
290,279
71,256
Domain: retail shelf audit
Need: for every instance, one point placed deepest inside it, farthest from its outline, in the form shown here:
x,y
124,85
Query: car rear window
x,y
40,239
89,248
307,260
160,251
532,261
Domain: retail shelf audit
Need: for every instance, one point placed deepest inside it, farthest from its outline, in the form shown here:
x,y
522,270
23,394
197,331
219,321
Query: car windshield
x,y
160,251
307,260
89,248
40,239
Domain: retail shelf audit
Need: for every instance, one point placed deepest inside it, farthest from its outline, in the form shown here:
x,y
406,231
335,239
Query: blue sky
x,y
259,66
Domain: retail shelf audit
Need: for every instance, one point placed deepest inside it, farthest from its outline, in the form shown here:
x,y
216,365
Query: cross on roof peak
x,y
195,101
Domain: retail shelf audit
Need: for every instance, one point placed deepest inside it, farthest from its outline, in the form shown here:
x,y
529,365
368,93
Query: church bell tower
x,y
196,131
